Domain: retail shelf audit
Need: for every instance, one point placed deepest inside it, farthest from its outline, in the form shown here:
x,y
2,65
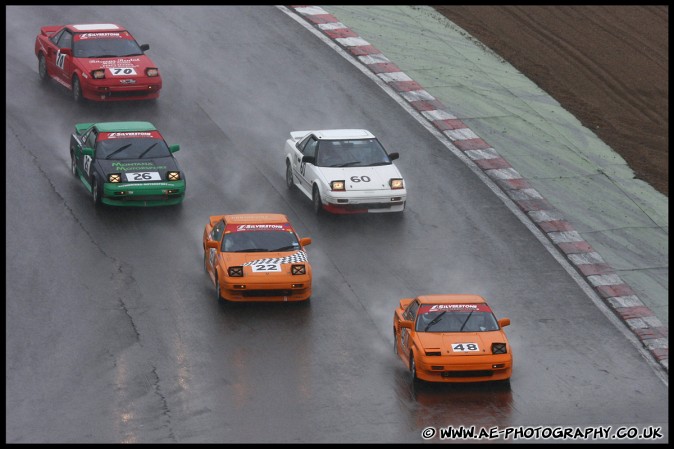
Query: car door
x,y
85,162
62,64
306,147
409,314
215,235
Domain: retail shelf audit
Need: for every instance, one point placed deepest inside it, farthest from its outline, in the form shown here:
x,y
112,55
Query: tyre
x,y
395,342
42,68
73,164
77,90
95,191
289,175
413,370
217,290
205,261
316,199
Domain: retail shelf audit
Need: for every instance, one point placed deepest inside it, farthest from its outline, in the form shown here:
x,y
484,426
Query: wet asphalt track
x,y
114,335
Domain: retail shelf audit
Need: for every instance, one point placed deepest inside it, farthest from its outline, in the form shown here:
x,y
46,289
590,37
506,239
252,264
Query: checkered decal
x,y
299,256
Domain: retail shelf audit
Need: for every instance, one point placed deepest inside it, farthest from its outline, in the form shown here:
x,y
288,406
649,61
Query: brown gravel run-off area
x,y
607,65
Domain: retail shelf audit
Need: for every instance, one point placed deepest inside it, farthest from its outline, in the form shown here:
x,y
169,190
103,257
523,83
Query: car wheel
x,y
77,90
42,68
413,370
73,164
95,192
217,289
289,175
395,341
316,198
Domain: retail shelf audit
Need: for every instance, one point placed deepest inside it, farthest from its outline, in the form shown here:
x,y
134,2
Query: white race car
x,y
344,171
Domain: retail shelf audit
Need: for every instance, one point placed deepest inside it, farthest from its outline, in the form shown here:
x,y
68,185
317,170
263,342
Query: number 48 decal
x,y
465,347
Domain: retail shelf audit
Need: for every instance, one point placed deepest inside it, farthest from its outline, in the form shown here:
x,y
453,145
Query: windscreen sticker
x,y
103,35
129,135
428,308
258,227
299,256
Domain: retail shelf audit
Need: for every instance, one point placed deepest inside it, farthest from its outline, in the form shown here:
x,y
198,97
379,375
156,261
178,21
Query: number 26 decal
x,y
360,178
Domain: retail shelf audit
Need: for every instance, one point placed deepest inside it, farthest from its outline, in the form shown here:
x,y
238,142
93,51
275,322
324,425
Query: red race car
x,y
101,62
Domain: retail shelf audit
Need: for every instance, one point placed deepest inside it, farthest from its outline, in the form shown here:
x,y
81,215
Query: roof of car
x,y
109,127
256,218
338,134
95,27
451,299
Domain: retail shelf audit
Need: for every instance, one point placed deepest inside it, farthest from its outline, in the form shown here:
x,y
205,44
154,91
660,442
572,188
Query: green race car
x,y
126,164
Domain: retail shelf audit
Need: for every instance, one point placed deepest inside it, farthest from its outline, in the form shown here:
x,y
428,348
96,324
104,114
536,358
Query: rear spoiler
x,y
81,127
298,135
50,29
215,218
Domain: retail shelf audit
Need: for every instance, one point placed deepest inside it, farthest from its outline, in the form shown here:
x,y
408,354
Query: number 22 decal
x,y
266,267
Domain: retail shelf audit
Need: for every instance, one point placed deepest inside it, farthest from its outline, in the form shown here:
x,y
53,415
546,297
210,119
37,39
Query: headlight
x,y
115,177
173,175
152,71
396,183
499,348
235,272
98,74
337,185
298,269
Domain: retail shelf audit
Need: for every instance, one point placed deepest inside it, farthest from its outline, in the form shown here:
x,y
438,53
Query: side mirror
x,y
145,47
174,148
212,244
394,156
309,159
304,241
66,51
406,324
503,322
88,151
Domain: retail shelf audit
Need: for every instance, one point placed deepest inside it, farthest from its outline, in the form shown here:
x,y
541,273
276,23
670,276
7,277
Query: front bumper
x,y
165,193
356,202
111,89
485,368
243,290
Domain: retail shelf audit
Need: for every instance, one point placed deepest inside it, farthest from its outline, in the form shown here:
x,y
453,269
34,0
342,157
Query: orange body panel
x,y
266,276
451,355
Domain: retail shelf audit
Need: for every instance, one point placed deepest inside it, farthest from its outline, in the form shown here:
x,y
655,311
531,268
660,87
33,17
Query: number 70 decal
x,y
122,71
465,347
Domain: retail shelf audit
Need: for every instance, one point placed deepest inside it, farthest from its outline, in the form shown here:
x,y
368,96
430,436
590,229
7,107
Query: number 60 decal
x,y
360,178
